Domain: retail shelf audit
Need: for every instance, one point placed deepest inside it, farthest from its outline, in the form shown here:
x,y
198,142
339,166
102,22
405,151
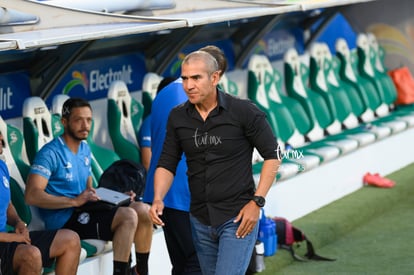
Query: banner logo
x,y
78,79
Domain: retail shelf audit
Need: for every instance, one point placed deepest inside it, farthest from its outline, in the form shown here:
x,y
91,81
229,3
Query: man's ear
x,y
215,77
64,121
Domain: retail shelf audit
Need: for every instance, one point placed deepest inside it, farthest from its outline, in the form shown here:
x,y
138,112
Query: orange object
x,y
404,83
377,180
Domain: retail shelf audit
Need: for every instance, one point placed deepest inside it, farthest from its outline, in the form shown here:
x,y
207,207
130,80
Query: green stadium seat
x,y
378,73
366,70
37,125
374,68
295,84
301,121
257,91
378,111
229,86
350,102
263,85
324,81
56,110
319,107
348,76
358,95
377,54
124,116
150,84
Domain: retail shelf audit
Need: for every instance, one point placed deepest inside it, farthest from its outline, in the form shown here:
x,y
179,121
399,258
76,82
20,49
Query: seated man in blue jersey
x,y
24,252
60,182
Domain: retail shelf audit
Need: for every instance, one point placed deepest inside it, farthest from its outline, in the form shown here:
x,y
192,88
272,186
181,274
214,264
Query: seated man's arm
x,y
36,195
146,157
21,232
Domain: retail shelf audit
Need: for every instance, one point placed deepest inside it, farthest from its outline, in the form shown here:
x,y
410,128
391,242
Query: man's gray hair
x,y
209,60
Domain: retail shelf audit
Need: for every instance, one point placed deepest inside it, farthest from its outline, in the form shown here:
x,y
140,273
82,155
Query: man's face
x,y
78,125
197,83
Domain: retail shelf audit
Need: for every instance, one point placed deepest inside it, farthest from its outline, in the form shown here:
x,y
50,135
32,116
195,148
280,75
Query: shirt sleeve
x,y
43,163
171,151
259,132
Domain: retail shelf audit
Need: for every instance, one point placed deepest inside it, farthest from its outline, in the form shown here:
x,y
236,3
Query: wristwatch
x,y
259,200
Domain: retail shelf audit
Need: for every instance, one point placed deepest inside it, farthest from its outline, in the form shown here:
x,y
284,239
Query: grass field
x,y
370,231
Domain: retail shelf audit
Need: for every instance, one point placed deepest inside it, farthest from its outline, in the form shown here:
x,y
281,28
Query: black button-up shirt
x,y
219,154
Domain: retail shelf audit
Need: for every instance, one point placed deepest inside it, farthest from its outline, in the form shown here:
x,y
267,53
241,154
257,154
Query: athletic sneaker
x,y
377,180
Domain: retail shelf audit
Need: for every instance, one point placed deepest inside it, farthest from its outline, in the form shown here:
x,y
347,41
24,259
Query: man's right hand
x,y
20,238
156,211
88,194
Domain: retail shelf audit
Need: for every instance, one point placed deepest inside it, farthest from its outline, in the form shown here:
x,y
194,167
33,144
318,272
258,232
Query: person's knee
x,y
27,255
65,241
69,239
126,215
142,210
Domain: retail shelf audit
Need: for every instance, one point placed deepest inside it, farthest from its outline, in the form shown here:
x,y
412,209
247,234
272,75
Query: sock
x,y
120,268
142,263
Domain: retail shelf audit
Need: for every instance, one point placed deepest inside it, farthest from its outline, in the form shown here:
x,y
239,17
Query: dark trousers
x,y
177,232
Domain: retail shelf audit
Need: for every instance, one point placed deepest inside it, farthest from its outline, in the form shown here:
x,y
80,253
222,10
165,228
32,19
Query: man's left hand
x,y
248,215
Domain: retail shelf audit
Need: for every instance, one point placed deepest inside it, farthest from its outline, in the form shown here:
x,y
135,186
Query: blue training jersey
x,y
178,197
67,175
4,195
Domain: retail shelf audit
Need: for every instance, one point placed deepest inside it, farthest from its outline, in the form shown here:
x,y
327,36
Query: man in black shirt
x,y
217,132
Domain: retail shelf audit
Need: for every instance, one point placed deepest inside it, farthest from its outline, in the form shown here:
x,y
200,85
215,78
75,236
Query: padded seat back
x,y
149,91
364,86
37,125
150,84
324,81
377,60
318,80
313,104
366,68
124,121
358,107
340,91
348,73
229,86
297,112
257,92
56,110
263,90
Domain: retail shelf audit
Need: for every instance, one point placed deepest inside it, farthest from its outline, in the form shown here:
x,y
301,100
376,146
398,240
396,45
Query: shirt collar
x,y
222,101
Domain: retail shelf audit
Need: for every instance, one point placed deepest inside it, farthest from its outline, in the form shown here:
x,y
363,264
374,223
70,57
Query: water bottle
x,y
267,235
260,264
